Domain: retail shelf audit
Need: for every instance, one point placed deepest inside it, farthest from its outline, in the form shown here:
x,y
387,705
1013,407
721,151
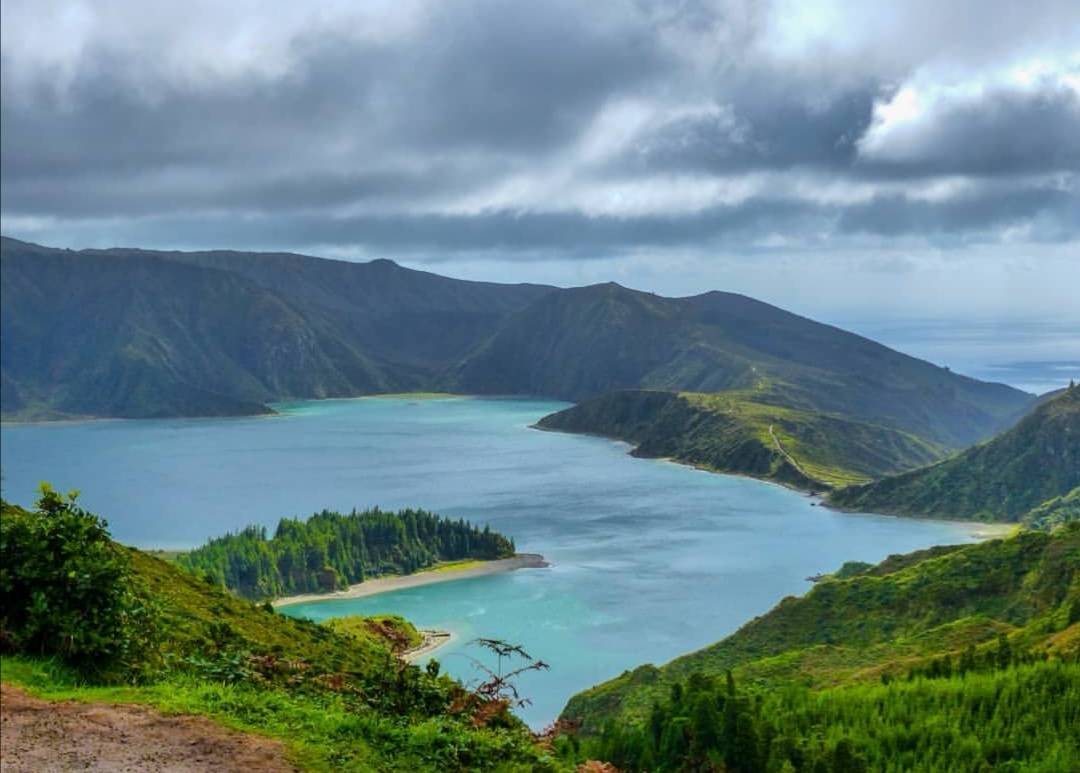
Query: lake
x,y
650,559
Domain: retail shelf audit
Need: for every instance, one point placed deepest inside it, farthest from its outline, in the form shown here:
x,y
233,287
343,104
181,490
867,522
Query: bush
x,y
68,590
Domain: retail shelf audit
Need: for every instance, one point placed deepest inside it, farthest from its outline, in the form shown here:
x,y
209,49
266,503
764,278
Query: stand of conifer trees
x,y
332,550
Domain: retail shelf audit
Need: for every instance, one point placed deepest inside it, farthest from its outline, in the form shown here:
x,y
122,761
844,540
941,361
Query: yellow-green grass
x,y
398,632
457,566
816,442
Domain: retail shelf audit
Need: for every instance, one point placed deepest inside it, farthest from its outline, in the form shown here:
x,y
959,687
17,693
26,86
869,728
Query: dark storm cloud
x,y
529,127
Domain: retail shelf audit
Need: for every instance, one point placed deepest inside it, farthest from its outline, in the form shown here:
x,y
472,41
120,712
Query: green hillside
x,y
995,710
735,433
1000,480
880,622
85,618
147,333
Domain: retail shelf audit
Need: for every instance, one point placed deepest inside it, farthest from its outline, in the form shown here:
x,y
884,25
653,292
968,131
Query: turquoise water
x,y
649,559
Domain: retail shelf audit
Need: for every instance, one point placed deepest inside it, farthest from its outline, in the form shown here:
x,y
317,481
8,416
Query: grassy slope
x,y
397,632
883,620
194,612
1000,480
735,432
320,722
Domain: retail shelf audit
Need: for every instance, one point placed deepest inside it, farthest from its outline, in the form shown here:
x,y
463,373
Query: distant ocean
x,y
1034,355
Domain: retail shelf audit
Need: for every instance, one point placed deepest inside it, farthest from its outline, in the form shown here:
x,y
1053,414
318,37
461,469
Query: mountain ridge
x,y
135,333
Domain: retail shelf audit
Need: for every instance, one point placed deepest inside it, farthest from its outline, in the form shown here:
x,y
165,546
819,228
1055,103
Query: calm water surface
x,y
649,559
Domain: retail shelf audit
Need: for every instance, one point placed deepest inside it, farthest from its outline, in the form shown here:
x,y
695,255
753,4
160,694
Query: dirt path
x,y
786,455
38,736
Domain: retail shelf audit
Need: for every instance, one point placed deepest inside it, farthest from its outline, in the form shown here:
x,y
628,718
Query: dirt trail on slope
x,y
786,455
38,736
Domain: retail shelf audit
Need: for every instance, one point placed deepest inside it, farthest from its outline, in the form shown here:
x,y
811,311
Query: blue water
x,y
649,559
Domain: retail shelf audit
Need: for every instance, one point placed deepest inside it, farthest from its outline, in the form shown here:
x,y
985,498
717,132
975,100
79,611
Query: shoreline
x,y
433,640
981,530
432,576
632,452
269,414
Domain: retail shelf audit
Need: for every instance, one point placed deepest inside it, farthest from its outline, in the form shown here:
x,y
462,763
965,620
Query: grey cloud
x,y
997,133
360,139
1052,213
770,121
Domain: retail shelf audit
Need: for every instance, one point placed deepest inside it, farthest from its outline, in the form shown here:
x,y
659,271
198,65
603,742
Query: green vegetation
x,y
737,433
960,658
884,621
338,696
331,551
1001,480
66,588
395,630
1055,512
991,712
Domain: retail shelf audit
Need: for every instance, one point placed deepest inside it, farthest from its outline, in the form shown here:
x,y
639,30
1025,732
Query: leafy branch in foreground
x,y
499,684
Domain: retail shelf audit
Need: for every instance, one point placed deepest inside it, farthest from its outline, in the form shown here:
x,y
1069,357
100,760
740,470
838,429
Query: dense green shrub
x,y
68,590
996,712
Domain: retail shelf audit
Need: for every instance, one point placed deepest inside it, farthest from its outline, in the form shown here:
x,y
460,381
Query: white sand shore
x,y
430,577
432,641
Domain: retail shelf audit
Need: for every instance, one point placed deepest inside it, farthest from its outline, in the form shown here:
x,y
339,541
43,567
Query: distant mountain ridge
x,y
582,342
138,333
135,333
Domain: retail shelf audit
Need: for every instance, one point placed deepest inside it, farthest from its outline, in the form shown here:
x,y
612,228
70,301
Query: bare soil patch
x,y
39,736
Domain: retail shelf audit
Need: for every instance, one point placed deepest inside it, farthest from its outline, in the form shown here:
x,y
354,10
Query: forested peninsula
x,y
331,551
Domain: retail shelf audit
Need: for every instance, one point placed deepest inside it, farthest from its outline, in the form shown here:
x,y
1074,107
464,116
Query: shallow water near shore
x,y
650,559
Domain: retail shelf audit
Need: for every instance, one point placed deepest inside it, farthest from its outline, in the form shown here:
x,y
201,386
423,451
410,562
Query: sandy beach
x,y
432,641
428,577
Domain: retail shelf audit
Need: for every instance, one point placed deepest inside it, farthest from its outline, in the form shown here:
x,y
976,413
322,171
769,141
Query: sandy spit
x,y
430,577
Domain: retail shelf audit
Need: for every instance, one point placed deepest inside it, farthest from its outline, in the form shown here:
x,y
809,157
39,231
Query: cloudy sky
x,y
846,160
